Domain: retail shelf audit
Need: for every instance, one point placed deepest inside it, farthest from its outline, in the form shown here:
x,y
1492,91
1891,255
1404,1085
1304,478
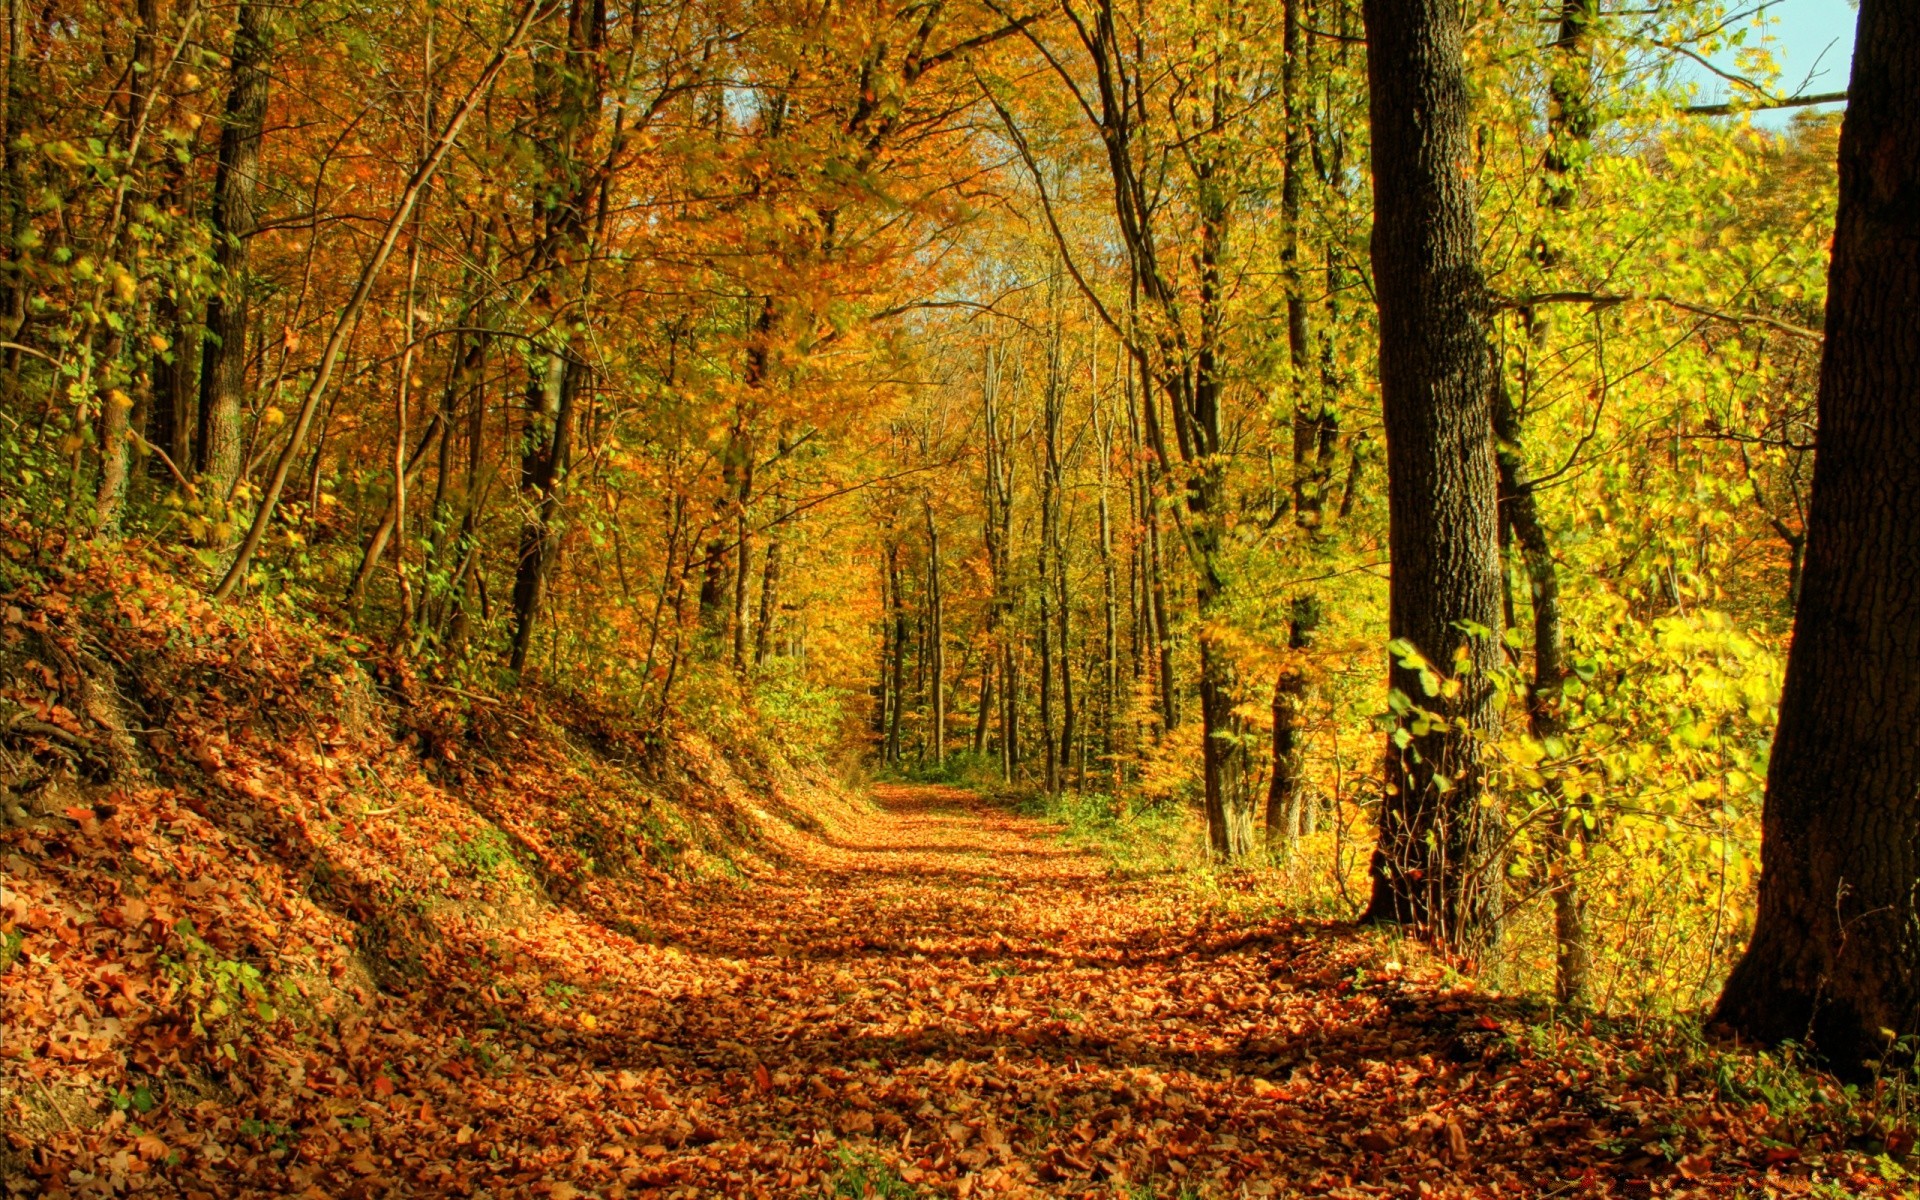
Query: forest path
x,y
951,997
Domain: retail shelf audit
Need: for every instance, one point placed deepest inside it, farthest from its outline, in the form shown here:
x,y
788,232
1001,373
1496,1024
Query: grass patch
x,y
862,1174
1135,838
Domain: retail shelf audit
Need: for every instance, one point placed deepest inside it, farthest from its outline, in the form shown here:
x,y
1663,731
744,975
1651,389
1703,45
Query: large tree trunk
x,y
1435,866
223,363
1834,958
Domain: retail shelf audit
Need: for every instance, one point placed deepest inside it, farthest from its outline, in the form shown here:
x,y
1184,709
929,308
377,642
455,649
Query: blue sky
x,y
1813,42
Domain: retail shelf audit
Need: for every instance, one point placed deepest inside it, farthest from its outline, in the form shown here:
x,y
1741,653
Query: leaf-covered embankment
x,y
257,877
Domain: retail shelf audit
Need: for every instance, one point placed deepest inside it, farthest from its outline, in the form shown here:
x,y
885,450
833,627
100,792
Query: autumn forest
x,y
957,597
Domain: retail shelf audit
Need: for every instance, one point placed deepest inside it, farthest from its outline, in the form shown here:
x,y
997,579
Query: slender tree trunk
x,y
115,408
223,363
545,460
769,595
1052,752
983,709
884,686
1009,711
1158,621
377,542
1109,614
1436,865
571,93
742,573
898,669
1287,810
1834,960
170,415
1569,127
936,643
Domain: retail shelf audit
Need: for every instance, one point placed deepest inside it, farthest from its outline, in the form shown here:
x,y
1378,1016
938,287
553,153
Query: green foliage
x,y
1135,837
803,713
222,993
484,853
862,1175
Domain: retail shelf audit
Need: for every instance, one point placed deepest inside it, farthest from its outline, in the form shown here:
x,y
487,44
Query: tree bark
x,y
1835,960
1435,866
223,363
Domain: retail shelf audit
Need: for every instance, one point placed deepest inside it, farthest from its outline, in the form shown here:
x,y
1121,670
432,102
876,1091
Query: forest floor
x,y
929,995
949,999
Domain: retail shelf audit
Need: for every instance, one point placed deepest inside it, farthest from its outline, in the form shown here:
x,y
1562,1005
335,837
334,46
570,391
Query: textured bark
x,y
1435,865
769,595
983,707
1835,954
1109,613
115,408
223,363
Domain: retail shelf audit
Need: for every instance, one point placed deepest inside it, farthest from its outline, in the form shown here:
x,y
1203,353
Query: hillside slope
x,y
257,877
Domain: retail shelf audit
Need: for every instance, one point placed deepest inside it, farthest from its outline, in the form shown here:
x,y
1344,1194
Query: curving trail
x,y
940,998
953,999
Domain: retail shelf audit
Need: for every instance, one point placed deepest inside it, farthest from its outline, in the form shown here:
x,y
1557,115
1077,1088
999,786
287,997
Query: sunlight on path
x,y
947,998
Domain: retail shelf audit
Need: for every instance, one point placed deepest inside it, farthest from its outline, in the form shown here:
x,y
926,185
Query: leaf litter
x,y
304,957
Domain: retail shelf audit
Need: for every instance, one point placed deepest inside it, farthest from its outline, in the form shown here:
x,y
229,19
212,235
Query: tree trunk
x,y
1109,613
115,407
1053,752
1569,128
170,413
223,363
936,644
983,709
1544,721
1834,960
547,455
1435,866
769,595
571,99
898,668
1287,817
